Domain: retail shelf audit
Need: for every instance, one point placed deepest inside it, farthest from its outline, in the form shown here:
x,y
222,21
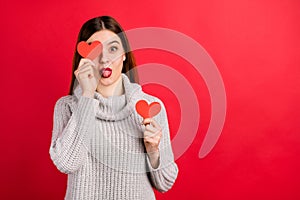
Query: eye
x,y
113,49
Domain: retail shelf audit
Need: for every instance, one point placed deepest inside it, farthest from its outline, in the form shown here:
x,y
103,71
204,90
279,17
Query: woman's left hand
x,y
152,135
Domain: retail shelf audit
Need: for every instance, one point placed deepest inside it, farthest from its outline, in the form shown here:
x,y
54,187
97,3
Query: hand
x,y
87,76
152,135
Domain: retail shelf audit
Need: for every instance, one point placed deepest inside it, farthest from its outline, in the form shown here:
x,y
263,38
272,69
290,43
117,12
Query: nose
x,y
104,59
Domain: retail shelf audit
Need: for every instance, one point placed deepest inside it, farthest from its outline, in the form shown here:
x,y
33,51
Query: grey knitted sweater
x,y
98,142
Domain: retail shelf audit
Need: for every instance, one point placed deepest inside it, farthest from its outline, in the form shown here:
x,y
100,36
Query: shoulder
x,y
67,102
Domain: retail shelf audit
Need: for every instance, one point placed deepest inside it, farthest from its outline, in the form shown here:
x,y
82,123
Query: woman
x,y
97,137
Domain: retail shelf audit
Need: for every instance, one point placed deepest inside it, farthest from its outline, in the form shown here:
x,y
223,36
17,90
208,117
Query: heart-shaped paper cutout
x,y
90,51
147,111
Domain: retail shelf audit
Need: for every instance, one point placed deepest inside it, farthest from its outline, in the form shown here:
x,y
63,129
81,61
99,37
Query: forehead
x,y
104,36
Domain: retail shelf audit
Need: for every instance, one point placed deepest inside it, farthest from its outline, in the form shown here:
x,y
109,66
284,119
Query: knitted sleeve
x,y
68,149
163,177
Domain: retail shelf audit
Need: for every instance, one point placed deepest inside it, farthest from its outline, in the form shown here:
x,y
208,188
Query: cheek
x,y
118,64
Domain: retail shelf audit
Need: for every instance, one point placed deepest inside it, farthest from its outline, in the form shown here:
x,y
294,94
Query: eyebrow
x,y
115,41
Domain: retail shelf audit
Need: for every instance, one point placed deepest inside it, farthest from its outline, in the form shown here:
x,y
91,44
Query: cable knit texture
x,y
98,142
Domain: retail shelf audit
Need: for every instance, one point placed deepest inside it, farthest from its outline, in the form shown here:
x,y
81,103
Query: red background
x,y
255,45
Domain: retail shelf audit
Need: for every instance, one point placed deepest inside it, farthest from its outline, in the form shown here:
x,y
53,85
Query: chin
x,y
107,81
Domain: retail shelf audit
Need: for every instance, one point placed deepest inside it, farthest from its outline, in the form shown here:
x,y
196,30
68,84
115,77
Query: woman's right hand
x,y
87,76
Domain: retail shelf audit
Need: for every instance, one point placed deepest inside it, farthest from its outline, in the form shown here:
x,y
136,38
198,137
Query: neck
x,y
115,89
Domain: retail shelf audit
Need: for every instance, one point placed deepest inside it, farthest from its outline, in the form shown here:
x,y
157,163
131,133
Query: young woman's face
x,y
112,56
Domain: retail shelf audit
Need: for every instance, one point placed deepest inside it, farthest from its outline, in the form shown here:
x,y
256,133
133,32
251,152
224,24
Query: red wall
x,y
255,45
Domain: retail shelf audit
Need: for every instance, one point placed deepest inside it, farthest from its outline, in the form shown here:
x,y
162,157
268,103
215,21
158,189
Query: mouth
x,y
106,72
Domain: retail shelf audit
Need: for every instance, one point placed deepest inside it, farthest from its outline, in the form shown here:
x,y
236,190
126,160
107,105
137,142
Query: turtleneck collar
x,y
115,108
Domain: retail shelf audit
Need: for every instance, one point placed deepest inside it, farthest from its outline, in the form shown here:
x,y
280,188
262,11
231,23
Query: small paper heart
x,y
90,51
154,109
146,110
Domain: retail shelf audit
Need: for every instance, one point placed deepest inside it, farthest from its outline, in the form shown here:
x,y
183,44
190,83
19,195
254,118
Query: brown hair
x,y
99,23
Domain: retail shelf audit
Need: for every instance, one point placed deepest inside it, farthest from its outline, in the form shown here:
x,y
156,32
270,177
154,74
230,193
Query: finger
x,y
81,63
147,134
155,124
86,68
147,121
156,137
152,122
150,128
87,73
83,70
85,61
152,141
86,65
89,68
152,134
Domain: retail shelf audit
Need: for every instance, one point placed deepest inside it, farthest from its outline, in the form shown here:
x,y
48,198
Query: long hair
x,y
100,23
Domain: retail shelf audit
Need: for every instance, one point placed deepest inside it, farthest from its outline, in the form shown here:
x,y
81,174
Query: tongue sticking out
x,y
106,72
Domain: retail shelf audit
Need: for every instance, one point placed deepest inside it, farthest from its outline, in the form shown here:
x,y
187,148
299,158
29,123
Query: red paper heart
x,y
147,111
90,51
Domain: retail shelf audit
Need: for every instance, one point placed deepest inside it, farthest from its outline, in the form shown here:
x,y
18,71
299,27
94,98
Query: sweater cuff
x,y
149,163
163,177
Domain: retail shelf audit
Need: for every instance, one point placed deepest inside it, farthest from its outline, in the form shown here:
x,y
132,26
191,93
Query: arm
x,y
70,133
163,177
